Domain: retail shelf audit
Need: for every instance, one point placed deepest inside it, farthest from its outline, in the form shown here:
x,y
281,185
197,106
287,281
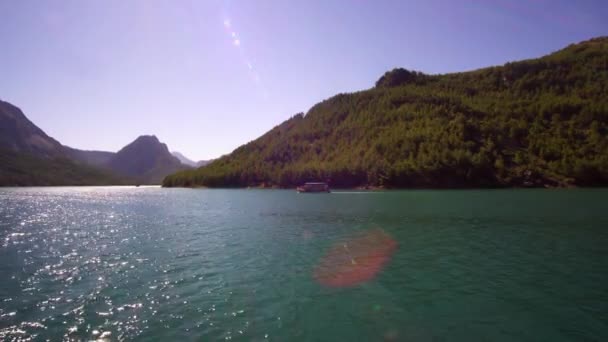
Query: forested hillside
x,y
25,169
538,122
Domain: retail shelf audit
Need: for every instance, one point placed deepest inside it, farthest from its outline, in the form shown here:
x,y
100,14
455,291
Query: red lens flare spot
x,y
355,261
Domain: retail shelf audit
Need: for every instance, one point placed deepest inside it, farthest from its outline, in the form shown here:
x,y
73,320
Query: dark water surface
x,y
183,265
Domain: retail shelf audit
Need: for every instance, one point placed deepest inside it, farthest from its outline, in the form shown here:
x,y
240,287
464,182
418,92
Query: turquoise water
x,y
168,264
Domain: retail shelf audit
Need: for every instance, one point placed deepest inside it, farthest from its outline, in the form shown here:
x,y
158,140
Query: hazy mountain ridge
x,y
537,122
183,159
187,161
202,163
94,158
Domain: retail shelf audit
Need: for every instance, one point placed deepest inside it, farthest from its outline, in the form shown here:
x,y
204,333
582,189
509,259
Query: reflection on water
x,y
179,264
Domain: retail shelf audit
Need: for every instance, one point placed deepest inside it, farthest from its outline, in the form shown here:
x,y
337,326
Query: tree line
x,y
538,122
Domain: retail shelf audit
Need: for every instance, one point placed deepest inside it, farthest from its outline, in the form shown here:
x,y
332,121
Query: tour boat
x,y
314,187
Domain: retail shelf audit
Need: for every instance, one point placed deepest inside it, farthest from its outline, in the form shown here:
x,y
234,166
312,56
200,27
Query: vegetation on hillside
x,y
24,169
538,122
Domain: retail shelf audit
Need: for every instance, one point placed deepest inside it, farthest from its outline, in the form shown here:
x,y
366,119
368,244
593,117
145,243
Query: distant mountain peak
x,y
146,142
146,157
187,161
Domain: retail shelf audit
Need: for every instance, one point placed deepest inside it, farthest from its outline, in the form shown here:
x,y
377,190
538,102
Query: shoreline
x,y
275,187
382,188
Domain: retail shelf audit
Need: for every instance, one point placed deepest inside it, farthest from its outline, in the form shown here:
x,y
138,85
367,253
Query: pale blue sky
x,y
97,74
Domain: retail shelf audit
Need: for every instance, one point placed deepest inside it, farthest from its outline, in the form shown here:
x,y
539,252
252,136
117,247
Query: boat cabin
x,y
314,187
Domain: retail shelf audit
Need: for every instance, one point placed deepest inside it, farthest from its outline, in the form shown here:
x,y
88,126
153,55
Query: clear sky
x,y
206,76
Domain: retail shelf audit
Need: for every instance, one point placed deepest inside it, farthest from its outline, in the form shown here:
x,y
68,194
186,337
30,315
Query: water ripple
x,y
147,263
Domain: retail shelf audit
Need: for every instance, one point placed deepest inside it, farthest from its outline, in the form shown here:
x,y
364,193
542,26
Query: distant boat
x,y
314,187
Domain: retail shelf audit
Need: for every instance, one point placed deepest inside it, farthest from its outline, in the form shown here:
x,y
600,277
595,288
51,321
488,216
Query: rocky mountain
x,y
30,157
146,159
538,122
20,135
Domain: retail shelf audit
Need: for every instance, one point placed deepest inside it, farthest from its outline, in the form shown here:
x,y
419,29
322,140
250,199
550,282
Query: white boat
x,y
314,187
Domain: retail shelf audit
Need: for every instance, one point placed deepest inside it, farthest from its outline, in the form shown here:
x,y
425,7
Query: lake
x,y
125,263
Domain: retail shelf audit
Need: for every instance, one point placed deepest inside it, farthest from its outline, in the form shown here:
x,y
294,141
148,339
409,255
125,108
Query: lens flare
x,y
235,40
355,261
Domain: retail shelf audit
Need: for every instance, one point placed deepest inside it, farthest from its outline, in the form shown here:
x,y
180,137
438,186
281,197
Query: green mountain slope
x,y
538,122
24,169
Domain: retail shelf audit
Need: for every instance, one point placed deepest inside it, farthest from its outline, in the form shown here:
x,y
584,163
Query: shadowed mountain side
x,y
94,158
146,159
30,157
19,134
